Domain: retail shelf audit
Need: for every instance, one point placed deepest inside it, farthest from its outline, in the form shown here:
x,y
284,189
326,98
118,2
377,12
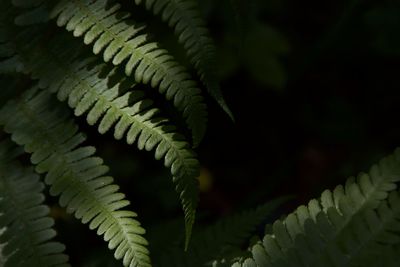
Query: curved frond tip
x,y
184,17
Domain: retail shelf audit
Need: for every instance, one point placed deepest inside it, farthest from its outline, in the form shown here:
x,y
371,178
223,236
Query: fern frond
x,y
28,234
134,117
121,40
214,241
184,17
75,175
110,101
382,228
341,225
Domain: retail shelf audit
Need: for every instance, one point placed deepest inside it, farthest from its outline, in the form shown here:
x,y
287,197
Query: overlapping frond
x,y
379,233
74,174
27,232
184,17
216,240
110,100
360,218
121,41
132,116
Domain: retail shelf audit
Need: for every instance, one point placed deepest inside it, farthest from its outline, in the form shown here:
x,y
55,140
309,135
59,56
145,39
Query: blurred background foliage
x,y
314,88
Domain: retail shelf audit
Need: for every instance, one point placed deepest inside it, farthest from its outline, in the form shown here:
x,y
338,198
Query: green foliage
x,y
105,64
106,94
219,239
122,42
183,16
75,175
348,226
27,233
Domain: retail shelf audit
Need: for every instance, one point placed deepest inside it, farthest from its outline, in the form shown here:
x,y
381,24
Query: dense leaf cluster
x,y
102,64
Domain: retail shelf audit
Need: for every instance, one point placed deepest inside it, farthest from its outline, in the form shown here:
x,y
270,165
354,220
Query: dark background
x,y
314,89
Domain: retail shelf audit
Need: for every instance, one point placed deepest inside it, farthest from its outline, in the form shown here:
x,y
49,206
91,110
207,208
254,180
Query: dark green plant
x,y
353,225
103,64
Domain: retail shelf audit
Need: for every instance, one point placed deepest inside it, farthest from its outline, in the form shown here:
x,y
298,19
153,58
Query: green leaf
x,y
341,228
184,17
28,231
73,173
121,41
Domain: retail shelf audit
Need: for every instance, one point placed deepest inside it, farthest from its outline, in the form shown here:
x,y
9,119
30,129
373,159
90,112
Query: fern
x,y
339,227
99,77
121,39
74,173
183,16
219,238
110,99
28,233
382,228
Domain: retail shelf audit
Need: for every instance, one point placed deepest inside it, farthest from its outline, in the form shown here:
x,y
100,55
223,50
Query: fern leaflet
x,y
122,40
74,174
216,240
111,100
28,230
336,229
183,16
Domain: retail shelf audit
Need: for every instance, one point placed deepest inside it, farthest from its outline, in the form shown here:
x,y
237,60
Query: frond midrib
x,y
142,59
143,124
79,182
198,44
173,147
373,237
357,212
347,219
122,42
